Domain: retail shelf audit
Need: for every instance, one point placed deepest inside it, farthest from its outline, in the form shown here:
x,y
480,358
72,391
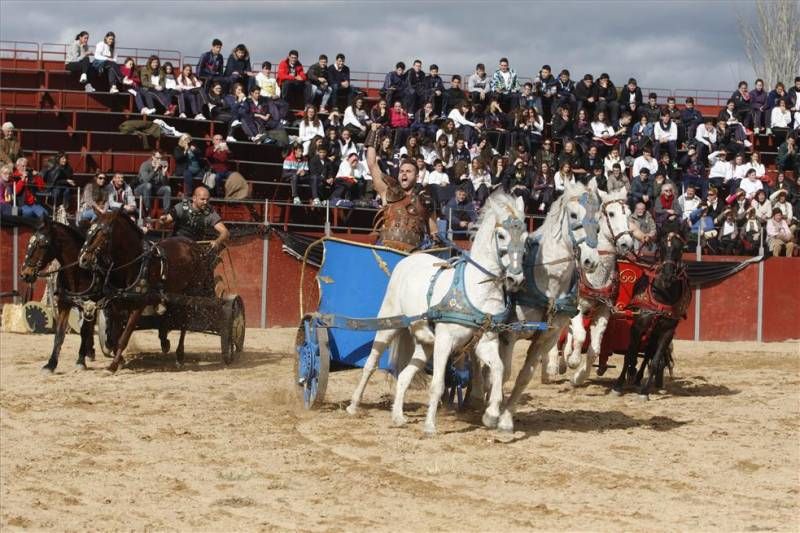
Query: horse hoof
x,y
165,346
573,362
643,397
352,410
490,421
90,355
616,392
80,367
399,420
179,365
430,431
47,370
562,366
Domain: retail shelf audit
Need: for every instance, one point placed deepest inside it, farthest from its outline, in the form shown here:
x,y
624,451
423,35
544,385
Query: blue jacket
x,y
210,65
393,81
690,117
700,222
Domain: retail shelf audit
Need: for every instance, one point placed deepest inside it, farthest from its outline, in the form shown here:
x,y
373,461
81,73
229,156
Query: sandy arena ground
x,y
211,448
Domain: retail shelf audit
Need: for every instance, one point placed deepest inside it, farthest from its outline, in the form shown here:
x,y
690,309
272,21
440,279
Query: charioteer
x,y
195,218
407,220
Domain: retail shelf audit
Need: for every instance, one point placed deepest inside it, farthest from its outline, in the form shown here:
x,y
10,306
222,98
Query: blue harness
x,y
530,295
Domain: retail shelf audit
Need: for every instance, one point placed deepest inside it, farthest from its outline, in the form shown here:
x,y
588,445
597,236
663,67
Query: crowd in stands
x,y
530,137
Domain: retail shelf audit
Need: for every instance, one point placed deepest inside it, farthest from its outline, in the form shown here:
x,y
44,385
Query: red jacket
x,y
26,188
217,160
398,120
283,72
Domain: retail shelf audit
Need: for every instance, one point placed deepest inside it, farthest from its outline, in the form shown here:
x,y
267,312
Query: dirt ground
x,y
211,448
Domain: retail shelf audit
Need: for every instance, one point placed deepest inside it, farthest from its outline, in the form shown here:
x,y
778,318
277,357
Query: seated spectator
x,y
496,125
779,200
732,137
483,150
729,240
667,208
217,158
665,134
603,133
349,183
7,192
762,206
152,178
565,91
318,83
188,163
543,192
468,130
433,90
630,99
295,166
437,176
447,130
120,195
219,106
617,180
641,137
583,129
339,79
386,156
480,181
105,61
291,76
751,232
607,97
694,172
563,176
460,151
569,154
788,158
758,107
652,109
545,89
780,119
646,160
528,99
319,171
779,237
784,184
668,168
643,228
379,114
532,130
399,122
721,170
210,65
59,180
505,86
793,97
741,103
751,184
153,82
458,213
94,198
691,119
260,120
189,89
586,94
479,85
356,119
394,84
613,158
641,189
310,127
706,138
519,181
415,89
426,122
454,96
688,202
589,161
10,149
77,59
238,69
130,80
442,151
546,154
27,185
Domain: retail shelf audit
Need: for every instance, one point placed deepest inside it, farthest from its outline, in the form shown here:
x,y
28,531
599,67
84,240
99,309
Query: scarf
x,y
666,202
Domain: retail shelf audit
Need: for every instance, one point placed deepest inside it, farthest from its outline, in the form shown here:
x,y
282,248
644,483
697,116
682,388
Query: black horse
x,y
660,303
76,288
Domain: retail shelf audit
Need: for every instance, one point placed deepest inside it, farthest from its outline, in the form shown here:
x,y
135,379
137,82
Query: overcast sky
x,y
669,44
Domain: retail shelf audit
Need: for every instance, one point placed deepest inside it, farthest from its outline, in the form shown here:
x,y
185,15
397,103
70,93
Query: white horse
x,y
598,288
566,240
465,295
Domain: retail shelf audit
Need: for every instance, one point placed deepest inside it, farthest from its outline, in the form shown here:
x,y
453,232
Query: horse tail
x,y
400,350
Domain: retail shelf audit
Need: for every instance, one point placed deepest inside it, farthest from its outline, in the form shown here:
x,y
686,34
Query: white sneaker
x,y
769,131
182,115
83,79
88,88
113,90
747,143
148,111
199,116
297,201
230,139
756,130
235,123
315,202
132,92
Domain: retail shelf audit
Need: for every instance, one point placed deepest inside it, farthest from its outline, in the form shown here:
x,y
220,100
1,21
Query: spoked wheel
x,y
232,334
312,363
103,332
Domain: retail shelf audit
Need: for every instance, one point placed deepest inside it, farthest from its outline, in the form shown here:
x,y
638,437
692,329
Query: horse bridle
x,y
680,269
94,229
615,237
588,222
515,227
38,240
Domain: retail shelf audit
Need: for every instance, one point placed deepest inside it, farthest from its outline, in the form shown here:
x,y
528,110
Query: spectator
x,y
271,90
295,166
339,79
319,172
589,162
310,127
665,133
586,94
505,86
728,113
468,129
561,178
94,199
543,188
599,178
751,232
607,97
793,97
715,204
349,183
721,171
260,120
563,127
641,136
454,97
758,107
425,121
613,158
458,213
570,155
59,180
27,184
528,99
545,154
77,59
219,106
533,130
379,114
519,181
778,93
442,151
728,233
565,91
706,137
643,227
356,119
434,90
667,208
318,83
783,184
291,76
779,236
641,189
646,160
414,88
189,89
479,85
10,149
652,109
780,118
546,89
210,65
483,150
668,168
7,192
480,181
691,119
788,158
238,69
120,195
779,200
395,84
583,129
188,163
741,103
751,184
422,170
130,79
217,158
617,180
762,205
438,176
399,122
105,61
346,145
631,98
603,133
688,202
694,172
731,137
460,151
153,83
152,178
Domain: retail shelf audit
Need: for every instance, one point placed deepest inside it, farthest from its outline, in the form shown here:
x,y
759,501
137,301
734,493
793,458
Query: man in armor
x,y
408,215
195,218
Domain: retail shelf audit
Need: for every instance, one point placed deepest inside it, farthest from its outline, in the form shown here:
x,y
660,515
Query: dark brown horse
x,y
76,287
139,274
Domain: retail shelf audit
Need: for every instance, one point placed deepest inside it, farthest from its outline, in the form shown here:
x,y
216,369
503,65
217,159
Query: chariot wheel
x,y
312,363
233,330
103,325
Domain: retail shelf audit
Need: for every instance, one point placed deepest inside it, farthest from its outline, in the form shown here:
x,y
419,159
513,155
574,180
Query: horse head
x,y
97,243
670,249
614,228
579,223
509,235
40,251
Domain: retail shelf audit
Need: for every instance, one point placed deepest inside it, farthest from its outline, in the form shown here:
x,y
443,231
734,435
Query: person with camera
x,y
188,163
152,178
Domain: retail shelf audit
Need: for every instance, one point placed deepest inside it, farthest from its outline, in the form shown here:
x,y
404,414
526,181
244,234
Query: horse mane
x,y
552,221
498,200
119,215
74,232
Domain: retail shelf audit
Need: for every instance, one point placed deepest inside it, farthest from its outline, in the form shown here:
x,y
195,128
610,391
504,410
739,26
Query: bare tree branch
x,y
771,40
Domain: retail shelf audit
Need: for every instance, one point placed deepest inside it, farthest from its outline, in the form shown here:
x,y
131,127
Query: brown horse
x,y
139,274
75,287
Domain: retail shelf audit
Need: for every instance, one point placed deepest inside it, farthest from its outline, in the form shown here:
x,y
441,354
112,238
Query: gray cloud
x,y
668,44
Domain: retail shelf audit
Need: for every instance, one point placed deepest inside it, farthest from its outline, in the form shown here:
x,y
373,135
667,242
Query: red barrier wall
x,y
728,308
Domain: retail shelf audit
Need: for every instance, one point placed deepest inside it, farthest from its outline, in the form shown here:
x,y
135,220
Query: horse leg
x,y
656,363
418,360
487,351
596,331
58,340
554,365
162,336
442,348
179,353
122,343
87,344
630,357
578,332
383,339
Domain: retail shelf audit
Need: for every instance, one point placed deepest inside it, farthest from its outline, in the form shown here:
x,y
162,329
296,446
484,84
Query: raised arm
x,y
379,180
